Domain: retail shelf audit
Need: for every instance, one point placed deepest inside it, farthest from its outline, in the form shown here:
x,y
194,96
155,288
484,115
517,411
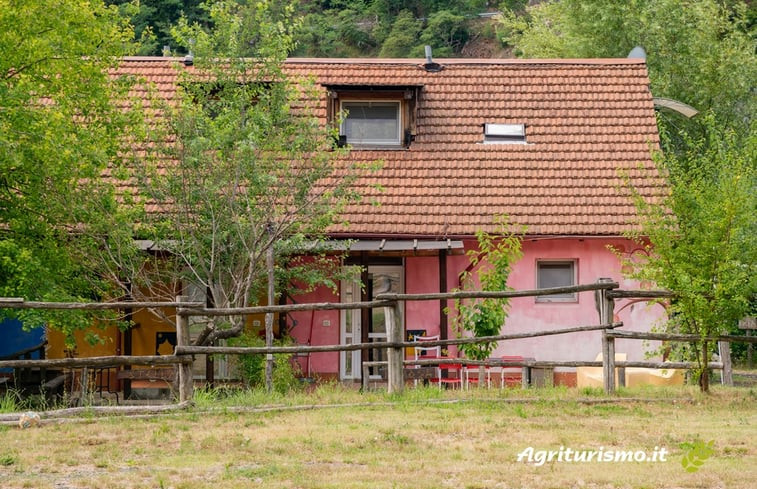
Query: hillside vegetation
x,y
352,28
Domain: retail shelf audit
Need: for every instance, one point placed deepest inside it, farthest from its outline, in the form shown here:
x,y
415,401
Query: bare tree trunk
x,y
269,319
704,377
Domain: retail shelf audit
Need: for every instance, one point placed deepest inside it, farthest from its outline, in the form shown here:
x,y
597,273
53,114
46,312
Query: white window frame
x,y
573,262
395,142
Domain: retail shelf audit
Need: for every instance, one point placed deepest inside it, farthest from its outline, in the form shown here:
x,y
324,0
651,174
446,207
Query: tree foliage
x,y
330,28
492,262
60,119
387,28
701,240
402,38
700,52
154,19
244,166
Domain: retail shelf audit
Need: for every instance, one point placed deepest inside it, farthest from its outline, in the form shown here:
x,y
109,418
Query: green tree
x,y
60,127
402,38
336,34
445,32
492,263
700,52
701,239
253,172
153,20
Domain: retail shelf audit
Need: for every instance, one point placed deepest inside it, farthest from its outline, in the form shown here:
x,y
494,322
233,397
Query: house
x,y
543,141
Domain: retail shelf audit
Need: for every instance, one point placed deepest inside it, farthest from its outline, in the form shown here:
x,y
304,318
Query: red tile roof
x,y
586,122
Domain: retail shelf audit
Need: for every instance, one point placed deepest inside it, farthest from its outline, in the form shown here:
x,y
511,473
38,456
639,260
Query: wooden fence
x,y
606,291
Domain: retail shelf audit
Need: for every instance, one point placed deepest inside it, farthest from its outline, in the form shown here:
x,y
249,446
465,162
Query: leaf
x,y
696,455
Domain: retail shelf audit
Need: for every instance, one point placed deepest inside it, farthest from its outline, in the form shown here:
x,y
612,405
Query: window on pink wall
x,y
556,273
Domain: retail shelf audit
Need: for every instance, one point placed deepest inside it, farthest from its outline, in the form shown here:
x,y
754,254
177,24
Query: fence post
x,y
182,339
726,374
606,308
395,355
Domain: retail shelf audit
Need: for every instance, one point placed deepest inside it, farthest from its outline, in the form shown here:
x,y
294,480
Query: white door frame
x,y
350,323
350,332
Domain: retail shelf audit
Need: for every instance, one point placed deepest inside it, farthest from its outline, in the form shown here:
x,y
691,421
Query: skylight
x,y
504,133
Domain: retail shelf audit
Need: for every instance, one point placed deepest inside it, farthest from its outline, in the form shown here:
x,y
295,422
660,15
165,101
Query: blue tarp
x,y
13,338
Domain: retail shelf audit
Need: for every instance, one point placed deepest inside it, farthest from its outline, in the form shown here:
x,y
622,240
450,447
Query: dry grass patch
x,y
412,441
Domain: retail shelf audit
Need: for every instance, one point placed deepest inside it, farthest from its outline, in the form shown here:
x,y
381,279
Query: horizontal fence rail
x,y
109,361
637,335
322,306
498,294
252,350
639,294
20,303
551,364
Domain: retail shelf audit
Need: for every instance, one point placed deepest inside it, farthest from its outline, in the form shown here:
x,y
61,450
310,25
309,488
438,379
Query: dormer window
x,y
504,134
367,122
374,117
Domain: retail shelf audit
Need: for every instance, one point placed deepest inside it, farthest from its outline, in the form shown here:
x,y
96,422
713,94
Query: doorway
x,y
357,326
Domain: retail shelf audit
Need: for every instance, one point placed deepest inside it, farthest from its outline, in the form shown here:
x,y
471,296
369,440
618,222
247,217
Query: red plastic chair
x,y
476,372
511,376
450,368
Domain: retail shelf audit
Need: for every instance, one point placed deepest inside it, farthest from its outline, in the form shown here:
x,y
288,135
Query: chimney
x,y
166,51
430,66
189,59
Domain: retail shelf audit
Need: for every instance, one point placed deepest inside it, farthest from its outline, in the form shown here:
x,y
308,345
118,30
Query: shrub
x,y
251,368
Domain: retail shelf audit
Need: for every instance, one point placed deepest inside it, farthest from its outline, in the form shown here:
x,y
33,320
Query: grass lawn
x,y
417,440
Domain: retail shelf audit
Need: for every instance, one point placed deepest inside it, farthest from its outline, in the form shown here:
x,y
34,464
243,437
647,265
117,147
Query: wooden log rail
x,y
20,303
639,294
109,361
498,294
552,364
609,336
637,335
255,350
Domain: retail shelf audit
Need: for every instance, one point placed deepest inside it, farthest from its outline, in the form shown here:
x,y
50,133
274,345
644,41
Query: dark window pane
x,y
555,274
371,122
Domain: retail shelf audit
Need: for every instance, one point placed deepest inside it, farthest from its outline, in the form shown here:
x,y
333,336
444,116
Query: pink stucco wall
x,y
317,328
593,259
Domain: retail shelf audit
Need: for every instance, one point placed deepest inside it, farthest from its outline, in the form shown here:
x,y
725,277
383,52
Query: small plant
x,y
492,262
8,459
10,401
592,391
251,368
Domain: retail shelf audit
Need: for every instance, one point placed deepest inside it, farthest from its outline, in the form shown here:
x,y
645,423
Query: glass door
x,y
350,333
381,279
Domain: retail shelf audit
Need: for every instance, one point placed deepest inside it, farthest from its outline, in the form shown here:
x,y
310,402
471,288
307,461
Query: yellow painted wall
x,y
144,334
147,326
56,343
